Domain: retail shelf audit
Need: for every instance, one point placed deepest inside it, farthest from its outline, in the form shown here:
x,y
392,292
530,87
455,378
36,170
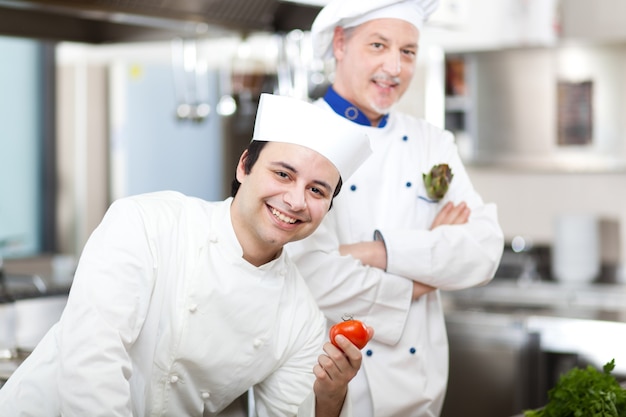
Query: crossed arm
x,y
374,253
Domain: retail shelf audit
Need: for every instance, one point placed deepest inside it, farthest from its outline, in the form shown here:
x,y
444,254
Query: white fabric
x,y
351,13
165,318
386,197
279,116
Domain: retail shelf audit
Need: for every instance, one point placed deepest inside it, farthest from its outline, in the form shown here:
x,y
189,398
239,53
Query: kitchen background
x,y
101,102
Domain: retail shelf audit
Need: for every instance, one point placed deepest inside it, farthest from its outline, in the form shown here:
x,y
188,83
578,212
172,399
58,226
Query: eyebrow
x,y
291,168
386,39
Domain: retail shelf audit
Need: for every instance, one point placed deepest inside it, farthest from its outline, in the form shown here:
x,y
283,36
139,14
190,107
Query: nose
x,y
392,63
295,198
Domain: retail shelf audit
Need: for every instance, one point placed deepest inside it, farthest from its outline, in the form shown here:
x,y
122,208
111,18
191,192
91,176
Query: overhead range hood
x,y
110,21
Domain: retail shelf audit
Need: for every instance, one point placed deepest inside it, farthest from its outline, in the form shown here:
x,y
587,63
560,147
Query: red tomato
x,y
354,330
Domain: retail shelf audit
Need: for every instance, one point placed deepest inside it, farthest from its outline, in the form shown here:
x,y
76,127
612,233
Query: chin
x,y
382,109
382,105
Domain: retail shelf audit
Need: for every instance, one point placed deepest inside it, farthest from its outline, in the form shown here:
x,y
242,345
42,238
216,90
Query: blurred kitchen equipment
x,y
7,318
34,316
227,105
293,61
28,309
7,328
576,249
7,315
63,268
495,365
190,81
523,246
525,261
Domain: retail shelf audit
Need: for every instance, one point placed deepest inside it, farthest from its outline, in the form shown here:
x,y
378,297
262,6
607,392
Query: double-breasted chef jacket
x,y
165,318
405,366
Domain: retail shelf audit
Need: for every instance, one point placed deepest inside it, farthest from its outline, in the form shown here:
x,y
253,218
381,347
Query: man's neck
x,y
253,252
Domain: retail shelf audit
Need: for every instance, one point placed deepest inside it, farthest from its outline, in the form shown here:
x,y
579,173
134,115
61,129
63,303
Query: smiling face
x,y
375,64
283,198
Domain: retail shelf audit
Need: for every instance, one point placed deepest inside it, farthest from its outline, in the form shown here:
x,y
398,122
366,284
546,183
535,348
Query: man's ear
x,y
241,170
339,42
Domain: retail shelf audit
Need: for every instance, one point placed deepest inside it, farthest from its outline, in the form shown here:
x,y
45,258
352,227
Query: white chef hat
x,y
290,120
351,13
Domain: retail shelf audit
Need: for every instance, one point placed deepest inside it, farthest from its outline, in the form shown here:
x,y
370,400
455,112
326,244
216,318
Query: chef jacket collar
x,y
344,108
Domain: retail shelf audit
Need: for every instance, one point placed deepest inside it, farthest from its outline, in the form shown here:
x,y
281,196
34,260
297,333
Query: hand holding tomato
x,y
339,364
352,329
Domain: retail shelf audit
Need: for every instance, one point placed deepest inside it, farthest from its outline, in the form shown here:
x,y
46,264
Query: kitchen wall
x,y
529,202
558,108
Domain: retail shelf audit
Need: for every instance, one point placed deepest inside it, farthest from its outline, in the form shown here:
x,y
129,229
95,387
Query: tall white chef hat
x,y
350,13
290,120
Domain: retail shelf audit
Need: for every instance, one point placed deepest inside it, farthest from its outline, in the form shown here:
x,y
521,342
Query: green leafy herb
x,y
585,393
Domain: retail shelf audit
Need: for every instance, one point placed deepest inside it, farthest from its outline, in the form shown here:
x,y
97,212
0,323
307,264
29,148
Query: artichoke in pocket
x,y
437,181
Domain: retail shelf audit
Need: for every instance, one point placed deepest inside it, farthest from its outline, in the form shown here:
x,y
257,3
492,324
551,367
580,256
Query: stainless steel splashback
x,y
514,106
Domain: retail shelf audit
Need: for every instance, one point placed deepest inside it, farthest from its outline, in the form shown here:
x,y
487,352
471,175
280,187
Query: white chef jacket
x,y
406,365
165,318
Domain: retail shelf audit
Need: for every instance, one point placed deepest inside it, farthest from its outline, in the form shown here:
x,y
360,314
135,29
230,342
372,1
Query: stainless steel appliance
x,y
495,366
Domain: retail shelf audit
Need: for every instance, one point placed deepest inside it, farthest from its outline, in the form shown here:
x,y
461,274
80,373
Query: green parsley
x,y
585,393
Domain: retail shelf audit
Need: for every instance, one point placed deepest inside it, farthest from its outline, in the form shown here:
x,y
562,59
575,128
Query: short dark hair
x,y
254,150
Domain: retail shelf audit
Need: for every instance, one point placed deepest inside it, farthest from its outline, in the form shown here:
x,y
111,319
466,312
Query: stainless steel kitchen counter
x,y
515,339
583,301
589,319
34,303
8,366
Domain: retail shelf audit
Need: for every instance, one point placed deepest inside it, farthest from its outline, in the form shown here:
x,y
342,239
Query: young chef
x,y
410,244
179,305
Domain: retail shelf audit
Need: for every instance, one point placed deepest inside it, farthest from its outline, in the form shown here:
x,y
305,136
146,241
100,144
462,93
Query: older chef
x,y
404,243
180,305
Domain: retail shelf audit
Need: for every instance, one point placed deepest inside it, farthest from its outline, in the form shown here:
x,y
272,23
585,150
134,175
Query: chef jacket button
x,y
174,379
193,308
369,352
412,351
405,138
257,343
353,187
206,395
408,184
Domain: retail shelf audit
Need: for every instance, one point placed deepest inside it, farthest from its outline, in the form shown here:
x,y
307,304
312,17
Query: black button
x,y
369,352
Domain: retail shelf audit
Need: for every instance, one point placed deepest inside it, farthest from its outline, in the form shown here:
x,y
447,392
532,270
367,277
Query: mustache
x,y
386,78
